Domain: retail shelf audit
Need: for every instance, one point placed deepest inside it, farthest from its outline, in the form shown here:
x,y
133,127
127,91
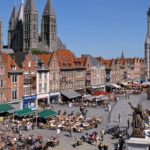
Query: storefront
x,y
29,102
43,100
70,96
54,98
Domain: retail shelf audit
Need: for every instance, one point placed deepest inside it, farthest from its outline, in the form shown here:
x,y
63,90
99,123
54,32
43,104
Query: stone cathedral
x,y
147,47
23,34
1,35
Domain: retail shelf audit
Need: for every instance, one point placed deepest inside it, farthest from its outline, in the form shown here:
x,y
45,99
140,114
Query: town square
x,y
74,75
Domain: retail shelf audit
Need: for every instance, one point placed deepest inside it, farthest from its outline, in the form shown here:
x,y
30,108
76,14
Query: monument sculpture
x,y
138,121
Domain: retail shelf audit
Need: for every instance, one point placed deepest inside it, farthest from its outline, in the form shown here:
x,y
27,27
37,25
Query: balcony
x,y
27,81
88,73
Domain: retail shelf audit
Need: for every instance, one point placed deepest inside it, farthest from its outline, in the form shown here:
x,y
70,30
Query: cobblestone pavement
x,y
110,118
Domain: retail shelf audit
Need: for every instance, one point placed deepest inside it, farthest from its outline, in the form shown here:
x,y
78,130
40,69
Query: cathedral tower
x,y
17,43
147,47
49,27
12,26
1,35
30,27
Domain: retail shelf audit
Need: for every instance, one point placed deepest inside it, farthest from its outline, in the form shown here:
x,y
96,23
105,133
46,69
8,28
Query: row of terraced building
x,y
27,80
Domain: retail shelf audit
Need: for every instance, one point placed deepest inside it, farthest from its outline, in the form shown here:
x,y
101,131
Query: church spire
x,y
21,11
122,55
13,14
30,6
49,10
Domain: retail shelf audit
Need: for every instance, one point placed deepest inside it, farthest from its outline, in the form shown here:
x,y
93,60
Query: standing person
x,y
128,95
58,132
119,117
102,133
109,107
70,131
100,146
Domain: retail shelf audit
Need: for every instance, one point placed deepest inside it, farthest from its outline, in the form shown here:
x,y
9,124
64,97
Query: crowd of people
x,y
11,138
74,122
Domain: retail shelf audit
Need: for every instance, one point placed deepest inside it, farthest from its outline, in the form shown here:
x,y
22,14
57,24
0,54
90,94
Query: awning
x,y
5,108
15,106
47,114
70,94
24,112
110,86
93,89
97,93
116,86
146,83
90,98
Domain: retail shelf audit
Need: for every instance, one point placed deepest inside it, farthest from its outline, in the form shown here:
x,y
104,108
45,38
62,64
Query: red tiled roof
x,y
79,62
65,58
46,58
9,61
107,63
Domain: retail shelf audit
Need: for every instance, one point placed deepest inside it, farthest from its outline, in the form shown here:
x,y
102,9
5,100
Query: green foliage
x,y
38,52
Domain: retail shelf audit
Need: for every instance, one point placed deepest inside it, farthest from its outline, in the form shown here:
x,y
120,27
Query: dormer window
x,y
14,67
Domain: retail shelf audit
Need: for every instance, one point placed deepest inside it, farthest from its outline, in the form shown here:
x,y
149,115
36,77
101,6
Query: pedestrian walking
x,y
102,134
105,147
119,118
128,123
128,95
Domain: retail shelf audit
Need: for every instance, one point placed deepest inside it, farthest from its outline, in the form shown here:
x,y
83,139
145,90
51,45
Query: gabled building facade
x,y
51,60
79,75
11,80
95,72
66,63
123,69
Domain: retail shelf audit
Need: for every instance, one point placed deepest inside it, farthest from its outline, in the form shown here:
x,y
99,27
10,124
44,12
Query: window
x,y
45,87
1,83
45,76
29,64
14,78
1,96
14,94
40,76
40,88
1,70
54,76
34,35
34,27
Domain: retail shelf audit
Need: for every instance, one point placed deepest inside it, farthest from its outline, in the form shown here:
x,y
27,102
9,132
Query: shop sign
x,y
29,97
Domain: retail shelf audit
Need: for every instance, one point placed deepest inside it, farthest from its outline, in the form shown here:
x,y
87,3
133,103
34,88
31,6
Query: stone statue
x,y
138,123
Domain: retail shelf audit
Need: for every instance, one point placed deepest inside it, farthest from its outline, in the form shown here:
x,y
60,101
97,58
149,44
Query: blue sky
x,y
98,27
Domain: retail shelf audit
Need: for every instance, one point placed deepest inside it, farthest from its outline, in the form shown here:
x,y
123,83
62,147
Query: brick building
x,y
11,80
